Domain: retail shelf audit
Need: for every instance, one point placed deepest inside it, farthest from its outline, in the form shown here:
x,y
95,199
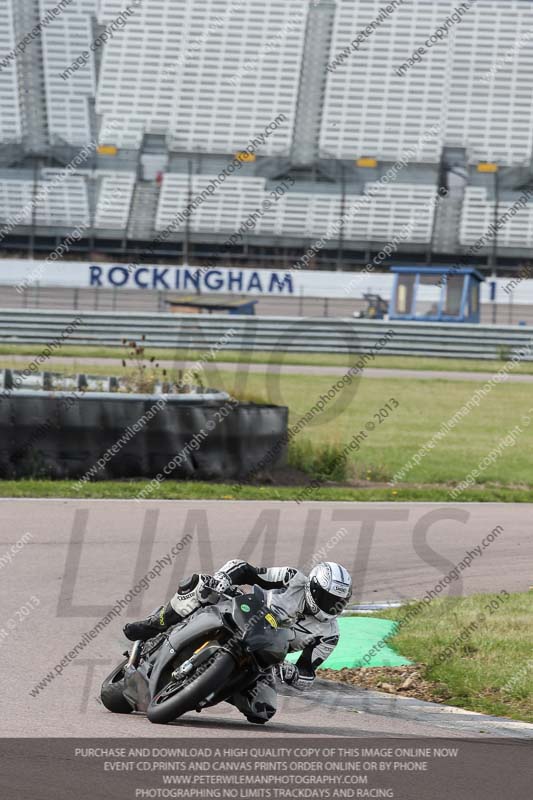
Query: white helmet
x,y
327,591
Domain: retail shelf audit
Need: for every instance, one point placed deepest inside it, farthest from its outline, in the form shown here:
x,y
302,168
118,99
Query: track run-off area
x,y
64,564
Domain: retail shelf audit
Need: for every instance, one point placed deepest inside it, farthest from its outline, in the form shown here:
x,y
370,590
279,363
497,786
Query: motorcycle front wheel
x,y
178,697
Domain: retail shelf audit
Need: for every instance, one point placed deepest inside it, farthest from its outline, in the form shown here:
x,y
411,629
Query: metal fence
x,y
216,332
301,305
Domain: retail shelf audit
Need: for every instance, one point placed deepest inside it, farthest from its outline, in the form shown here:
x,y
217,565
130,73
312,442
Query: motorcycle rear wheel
x,y
111,691
168,705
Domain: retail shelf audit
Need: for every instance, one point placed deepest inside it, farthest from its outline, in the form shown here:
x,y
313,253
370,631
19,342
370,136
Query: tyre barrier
x,y
105,436
50,381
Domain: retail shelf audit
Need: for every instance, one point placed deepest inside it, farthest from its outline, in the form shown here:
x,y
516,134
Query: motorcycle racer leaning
x,y
311,603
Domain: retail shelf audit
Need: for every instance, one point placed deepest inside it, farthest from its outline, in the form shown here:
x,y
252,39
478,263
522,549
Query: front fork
x,y
201,656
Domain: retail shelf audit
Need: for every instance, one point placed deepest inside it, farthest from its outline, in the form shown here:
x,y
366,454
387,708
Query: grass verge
x,y
475,651
199,490
391,419
297,359
418,408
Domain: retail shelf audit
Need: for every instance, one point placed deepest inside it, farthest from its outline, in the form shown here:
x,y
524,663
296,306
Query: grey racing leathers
x,y
286,593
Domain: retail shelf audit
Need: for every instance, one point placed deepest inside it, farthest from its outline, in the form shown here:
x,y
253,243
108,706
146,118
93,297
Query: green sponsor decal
x,y
245,607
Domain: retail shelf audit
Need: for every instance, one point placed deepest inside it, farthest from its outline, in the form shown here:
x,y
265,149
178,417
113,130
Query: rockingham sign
x,y
226,281
206,280
23,273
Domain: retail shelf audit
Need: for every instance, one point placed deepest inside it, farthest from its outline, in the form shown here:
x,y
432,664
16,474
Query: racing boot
x,y
191,594
145,629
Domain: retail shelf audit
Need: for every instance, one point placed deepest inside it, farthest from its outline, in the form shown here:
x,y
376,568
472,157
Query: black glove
x,y
207,590
221,582
287,673
291,675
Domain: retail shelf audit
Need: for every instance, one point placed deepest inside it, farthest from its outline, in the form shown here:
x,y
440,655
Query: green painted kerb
x,y
358,636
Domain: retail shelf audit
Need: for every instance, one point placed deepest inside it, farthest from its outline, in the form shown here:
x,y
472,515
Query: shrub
x,y
324,461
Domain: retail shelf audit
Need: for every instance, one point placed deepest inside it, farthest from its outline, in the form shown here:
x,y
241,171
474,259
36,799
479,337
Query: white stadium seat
x,y
368,109
16,200
478,216
10,114
62,200
205,78
192,71
68,97
371,110
379,215
115,192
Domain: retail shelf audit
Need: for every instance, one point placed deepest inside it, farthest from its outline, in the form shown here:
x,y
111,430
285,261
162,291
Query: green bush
x,y
322,461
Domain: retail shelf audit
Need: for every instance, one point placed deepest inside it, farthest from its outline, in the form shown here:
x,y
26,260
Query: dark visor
x,y
327,602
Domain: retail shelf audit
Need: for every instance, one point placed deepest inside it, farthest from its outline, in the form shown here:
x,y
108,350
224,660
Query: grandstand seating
x,y
133,91
493,119
63,201
209,76
205,78
58,202
368,109
196,72
67,98
400,210
379,216
10,116
15,200
478,216
492,114
114,198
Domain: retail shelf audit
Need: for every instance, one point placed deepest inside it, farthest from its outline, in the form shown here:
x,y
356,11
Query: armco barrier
x,y
57,435
181,332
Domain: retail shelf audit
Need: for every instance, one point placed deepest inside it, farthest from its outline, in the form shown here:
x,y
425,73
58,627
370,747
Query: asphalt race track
x,y
80,557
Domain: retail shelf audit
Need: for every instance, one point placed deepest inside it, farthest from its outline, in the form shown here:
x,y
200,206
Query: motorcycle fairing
x,y
142,684
261,633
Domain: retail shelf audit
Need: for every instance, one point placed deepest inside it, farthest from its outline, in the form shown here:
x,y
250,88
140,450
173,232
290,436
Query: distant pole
x,y
31,249
186,242
494,249
92,193
340,252
441,184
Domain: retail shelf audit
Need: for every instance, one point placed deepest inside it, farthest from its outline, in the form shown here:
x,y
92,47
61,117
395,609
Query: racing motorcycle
x,y
200,662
